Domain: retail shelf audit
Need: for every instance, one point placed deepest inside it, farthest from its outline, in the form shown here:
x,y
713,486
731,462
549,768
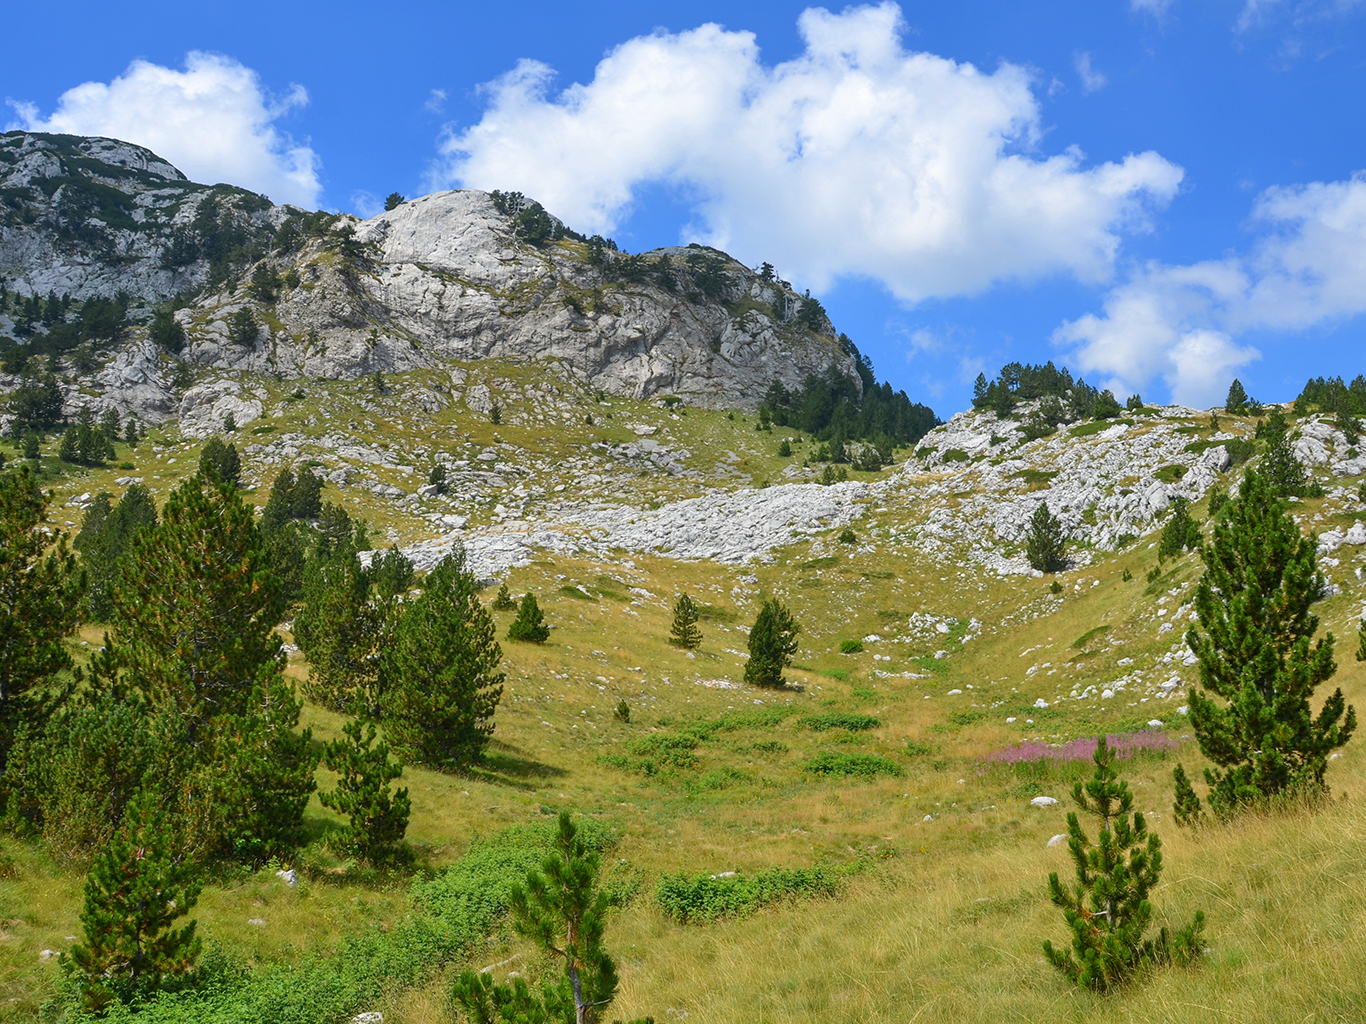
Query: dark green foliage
x,y
30,450
1284,472
279,505
69,450
107,535
377,817
306,501
529,626
785,449
1065,399
508,203
1134,403
1186,809
36,404
1258,654
393,201
41,592
684,632
1330,394
772,642
847,536
1108,909
851,646
496,414
338,630
562,910
1106,406
830,406
503,602
137,888
192,636
243,328
693,899
832,764
437,478
811,314
1236,402
440,671
534,225
1046,542
265,285
1180,533
828,720
622,712
220,461
166,332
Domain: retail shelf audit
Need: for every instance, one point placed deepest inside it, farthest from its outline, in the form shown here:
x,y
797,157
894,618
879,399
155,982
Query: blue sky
x,y
1159,193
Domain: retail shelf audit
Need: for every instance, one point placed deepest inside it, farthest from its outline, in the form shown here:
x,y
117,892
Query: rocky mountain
x,y
460,275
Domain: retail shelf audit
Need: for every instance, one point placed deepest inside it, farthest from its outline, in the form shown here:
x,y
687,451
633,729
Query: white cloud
x,y
1157,8
436,102
1091,79
1182,323
855,158
213,120
366,204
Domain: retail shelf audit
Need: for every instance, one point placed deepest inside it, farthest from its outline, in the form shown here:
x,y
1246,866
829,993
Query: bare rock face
x,y
90,217
446,277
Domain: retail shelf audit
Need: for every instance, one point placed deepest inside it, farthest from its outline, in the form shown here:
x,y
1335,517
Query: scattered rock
x,y
1043,801
289,876
1058,840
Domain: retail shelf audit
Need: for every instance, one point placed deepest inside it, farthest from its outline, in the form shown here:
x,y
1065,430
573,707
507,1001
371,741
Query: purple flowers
x,y
1083,749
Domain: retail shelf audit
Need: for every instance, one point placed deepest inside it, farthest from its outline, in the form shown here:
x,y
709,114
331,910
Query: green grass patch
x,y
825,562
832,764
968,717
1094,427
837,720
956,455
1171,473
851,646
578,593
694,899
1035,479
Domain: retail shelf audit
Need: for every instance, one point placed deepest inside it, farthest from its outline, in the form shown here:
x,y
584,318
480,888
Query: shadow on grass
x,y
507,767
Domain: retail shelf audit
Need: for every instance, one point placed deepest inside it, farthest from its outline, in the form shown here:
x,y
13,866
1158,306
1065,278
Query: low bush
x,y
851,646
691,899
838,720
830,764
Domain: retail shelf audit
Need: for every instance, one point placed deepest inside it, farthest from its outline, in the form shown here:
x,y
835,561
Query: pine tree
x,y
1108,909
306,500
684,632
1046,541
41,591
437,477
192,632
130,432
277,510
220,460
503,602
70,449
1180,533
529,626
440,671
1284,472
106,536
1236,402
772,642
393,201
338,631
378,818
563,911
137,888
1259,656
243,328
31,451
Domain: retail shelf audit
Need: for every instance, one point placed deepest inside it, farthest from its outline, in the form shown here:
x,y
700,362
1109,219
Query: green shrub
x,y
851,646
691,899
1169,474
838,720
839,765
956,455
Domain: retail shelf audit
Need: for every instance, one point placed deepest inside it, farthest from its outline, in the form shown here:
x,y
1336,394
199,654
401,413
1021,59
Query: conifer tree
x,y
772,642
305,501
1180,533
1236,402
440,673
563,911
1282,469
106,536
41,591
529,626
338,630
503,602
137,888
279,505
378,817
220,460
69,450
1046,541
192,632
1258,655
684,632
1107,908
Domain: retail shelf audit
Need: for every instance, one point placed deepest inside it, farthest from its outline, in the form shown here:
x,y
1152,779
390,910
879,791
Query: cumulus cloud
x,y
857,157
214,120
1091,79
1182,324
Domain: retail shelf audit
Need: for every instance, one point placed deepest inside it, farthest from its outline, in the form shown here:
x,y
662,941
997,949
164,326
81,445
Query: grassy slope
x,y
940,920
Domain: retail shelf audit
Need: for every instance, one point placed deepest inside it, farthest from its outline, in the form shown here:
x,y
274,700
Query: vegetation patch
x,y
838,720
1080,642
1171,473
956,455
824,562
695,899
832,764
1035,479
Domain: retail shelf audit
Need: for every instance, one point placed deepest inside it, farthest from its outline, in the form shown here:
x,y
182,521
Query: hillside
x,y
975,677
